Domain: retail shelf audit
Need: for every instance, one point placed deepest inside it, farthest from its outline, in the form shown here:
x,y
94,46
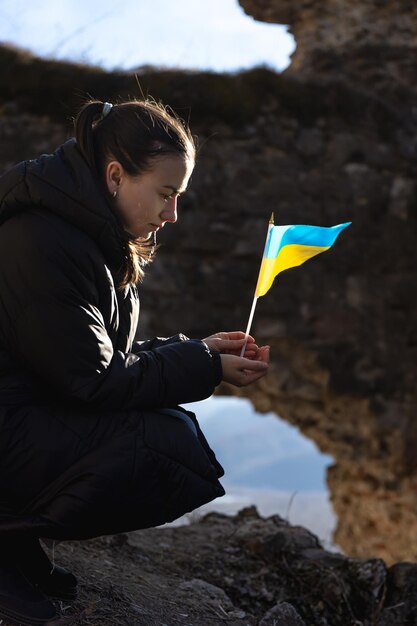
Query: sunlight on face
x,y
146,202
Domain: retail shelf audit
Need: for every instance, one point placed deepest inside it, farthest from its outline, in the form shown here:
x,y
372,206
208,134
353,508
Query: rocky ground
x,y
232,571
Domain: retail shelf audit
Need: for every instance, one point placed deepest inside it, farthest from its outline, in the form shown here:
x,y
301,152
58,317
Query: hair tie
x,y
107,107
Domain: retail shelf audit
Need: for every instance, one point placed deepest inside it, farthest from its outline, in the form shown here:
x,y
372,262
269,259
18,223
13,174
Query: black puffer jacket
x,y
82,434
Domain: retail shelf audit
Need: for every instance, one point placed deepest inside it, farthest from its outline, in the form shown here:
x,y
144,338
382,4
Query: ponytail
x,y
84,121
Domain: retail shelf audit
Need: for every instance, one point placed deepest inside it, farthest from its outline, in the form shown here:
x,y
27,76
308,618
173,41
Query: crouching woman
x,y
93,439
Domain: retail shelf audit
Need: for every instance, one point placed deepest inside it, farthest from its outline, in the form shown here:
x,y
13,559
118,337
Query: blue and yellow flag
x,y
289,246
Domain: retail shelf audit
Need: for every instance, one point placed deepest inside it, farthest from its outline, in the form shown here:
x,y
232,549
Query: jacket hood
x,y
63,183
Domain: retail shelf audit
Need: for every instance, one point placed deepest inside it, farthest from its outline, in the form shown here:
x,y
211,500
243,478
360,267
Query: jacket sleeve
x,y
60,336
157,342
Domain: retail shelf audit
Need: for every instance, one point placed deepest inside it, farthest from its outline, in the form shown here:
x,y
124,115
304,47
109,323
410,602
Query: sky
x,y
190,34
267,462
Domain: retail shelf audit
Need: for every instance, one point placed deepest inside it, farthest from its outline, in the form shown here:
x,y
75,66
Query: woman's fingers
x,y
263,354
231,342
234,335
240,371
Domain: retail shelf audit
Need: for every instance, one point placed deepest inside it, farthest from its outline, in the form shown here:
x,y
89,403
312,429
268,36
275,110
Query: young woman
x,y
92,438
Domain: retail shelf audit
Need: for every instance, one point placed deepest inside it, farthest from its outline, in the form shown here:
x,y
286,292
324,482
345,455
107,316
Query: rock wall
x,y
370,48
342,329
366,42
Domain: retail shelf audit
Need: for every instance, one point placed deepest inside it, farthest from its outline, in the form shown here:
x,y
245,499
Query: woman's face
x,y
146,202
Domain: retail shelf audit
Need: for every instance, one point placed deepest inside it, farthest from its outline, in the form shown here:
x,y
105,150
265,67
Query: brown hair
x,y
135,133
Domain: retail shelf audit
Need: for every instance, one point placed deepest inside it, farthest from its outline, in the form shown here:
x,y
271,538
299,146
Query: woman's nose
x,y
170,211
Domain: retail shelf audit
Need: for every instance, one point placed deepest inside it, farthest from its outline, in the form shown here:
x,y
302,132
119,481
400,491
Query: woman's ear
x,y
114,175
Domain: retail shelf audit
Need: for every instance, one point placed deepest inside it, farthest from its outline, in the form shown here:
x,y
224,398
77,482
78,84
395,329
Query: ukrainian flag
x,y
289,246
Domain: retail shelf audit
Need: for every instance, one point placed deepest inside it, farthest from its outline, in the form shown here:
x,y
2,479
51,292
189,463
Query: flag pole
x,y
255,298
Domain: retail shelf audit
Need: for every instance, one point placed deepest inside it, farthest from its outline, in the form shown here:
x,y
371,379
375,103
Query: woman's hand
x,y
240,371
232,343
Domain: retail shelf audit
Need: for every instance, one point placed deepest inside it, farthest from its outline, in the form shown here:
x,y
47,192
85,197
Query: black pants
x,y
71,474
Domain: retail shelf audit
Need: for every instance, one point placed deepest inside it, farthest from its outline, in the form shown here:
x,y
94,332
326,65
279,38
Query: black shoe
x,y
59,584
53,581
20,603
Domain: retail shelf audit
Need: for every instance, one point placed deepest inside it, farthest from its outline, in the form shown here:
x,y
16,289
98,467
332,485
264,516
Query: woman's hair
x,y
135,133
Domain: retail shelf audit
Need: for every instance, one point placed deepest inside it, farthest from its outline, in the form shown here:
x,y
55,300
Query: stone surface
x,y
211,573
368,42
282,614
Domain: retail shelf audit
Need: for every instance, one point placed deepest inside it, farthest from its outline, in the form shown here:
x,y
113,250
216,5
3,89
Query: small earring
x,y
114,194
